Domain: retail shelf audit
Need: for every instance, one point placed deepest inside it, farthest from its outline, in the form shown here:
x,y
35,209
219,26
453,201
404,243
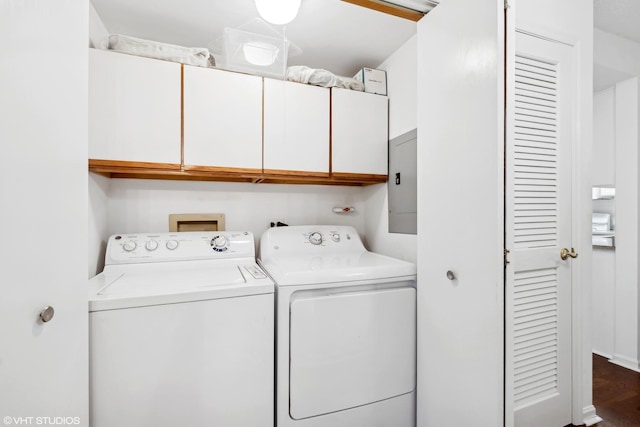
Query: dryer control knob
x,y
172,244
335,237
315,238
129,245
151,245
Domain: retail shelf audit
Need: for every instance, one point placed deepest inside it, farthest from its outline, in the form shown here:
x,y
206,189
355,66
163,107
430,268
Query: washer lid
x,y
335,268
136,286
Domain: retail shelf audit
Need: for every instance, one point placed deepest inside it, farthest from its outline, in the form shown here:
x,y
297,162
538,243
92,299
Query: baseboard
x,y
589,416
625,362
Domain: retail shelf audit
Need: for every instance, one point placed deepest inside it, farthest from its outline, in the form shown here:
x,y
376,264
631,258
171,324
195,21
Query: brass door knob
x,y
564,253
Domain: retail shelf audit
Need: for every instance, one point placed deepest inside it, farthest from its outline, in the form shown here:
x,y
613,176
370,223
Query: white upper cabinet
x,y
134,108
163,116
222,119
359,127
296,127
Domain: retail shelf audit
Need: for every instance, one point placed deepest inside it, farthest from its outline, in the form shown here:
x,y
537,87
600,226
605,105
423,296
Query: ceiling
x,y
333,35
619,17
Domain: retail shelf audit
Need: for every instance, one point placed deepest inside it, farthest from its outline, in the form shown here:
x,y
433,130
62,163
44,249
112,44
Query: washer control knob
x,y
151,245
172,244
335,237
315,238
219,243
129,245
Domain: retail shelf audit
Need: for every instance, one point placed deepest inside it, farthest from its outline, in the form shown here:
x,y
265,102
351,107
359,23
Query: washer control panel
x,y
220,243
161,247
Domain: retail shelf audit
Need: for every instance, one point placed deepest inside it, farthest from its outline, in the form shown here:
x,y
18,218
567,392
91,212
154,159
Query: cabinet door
x,y
359,131
460,170
222,119
134,108
43,82
296,127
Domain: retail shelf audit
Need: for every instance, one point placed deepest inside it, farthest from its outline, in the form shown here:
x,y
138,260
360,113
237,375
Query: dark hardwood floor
x,y
616,394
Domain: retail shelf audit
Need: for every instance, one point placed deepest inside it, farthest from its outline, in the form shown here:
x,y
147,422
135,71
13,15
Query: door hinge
x,y
506,254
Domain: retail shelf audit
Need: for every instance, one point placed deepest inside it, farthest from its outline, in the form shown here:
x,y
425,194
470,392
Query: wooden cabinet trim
x,y
141,170
96,165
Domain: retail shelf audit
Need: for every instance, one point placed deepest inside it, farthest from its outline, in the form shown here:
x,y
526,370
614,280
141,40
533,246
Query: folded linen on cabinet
x,y
152,49
320,77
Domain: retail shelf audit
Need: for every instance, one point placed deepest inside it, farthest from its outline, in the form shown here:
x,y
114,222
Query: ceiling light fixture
x,y
278,12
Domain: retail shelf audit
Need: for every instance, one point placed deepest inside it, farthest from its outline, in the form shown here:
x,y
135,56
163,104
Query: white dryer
x,y
345,330
181,332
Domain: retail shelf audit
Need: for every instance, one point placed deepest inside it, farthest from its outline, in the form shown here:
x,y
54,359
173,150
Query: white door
x,y
540,136
460,214
43,187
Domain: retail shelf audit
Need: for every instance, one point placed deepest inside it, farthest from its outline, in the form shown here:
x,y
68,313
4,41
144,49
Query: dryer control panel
x,y
313,239
178,246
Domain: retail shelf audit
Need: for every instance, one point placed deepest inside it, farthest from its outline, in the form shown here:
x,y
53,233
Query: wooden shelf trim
x,y
388,8
143,170
110,166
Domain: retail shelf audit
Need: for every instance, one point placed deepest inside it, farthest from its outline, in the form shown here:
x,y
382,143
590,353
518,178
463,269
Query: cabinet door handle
x,y
47,314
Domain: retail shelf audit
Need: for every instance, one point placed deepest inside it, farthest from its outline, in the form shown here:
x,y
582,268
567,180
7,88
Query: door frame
x,y
583,411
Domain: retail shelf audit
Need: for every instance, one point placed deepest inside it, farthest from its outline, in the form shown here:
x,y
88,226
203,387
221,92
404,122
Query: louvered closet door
x,y
538,224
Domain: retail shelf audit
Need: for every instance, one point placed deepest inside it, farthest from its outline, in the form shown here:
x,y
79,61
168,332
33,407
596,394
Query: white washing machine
x,y
345,330
181,332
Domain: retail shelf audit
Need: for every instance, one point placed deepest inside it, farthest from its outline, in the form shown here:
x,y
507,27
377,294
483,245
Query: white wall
x,y
627,113
97,31
604,137
98,222
616,53
401,68
622,56
603,265
603,278
144,205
